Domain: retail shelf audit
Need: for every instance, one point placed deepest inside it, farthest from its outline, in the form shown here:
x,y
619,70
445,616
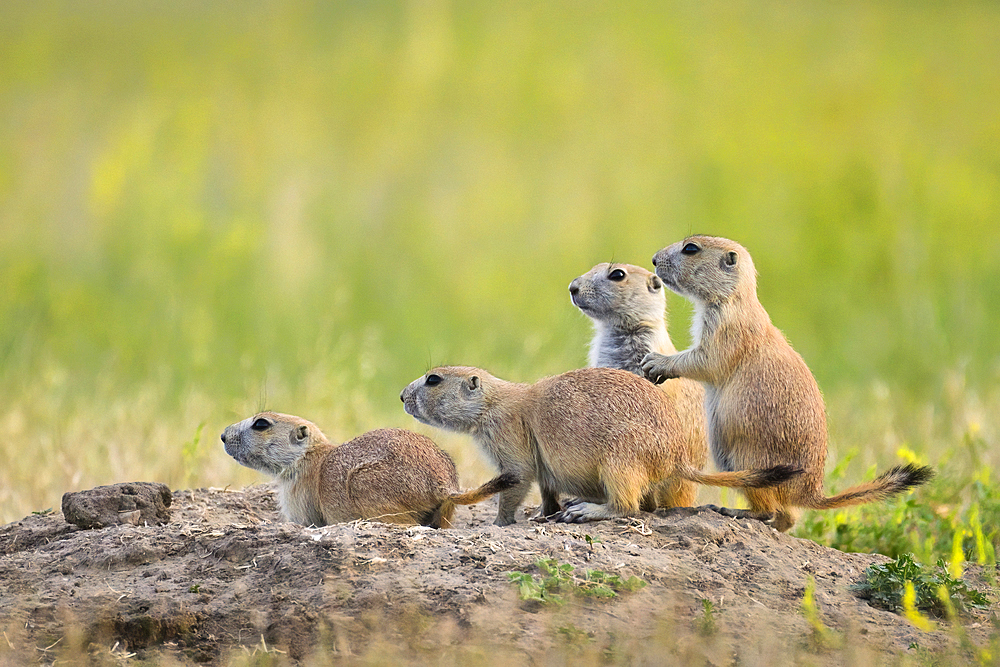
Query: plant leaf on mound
x,y
885,585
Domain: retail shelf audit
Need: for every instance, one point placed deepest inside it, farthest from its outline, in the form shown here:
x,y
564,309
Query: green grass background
x,y
206,208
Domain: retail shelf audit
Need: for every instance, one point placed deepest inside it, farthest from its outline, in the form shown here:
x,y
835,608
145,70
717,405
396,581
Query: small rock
x,y
134,503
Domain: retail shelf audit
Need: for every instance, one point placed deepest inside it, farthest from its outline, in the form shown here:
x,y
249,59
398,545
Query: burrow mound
x,y
225,576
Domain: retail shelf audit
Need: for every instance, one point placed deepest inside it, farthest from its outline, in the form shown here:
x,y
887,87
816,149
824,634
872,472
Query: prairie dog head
x,y
707,269
450,397
271,442
619,295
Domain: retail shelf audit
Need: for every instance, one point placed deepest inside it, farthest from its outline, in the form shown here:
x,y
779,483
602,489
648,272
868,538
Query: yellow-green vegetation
x,y
557,580
955,517
706,624
931,589
206,209
822,637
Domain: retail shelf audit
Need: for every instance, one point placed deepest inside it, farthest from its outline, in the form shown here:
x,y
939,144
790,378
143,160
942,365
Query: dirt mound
x,y
227,575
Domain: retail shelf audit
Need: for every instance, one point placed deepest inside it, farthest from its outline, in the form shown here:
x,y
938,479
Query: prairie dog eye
x,y
690,249
617,275
260,424
432,380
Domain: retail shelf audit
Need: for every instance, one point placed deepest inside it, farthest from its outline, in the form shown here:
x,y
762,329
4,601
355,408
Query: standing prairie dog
x,y
388,474
627,305
764,406
601,434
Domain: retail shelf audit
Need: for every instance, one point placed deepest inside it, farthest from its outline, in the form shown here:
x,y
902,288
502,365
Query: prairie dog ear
x,y
654,283
301,433
729,259
474,383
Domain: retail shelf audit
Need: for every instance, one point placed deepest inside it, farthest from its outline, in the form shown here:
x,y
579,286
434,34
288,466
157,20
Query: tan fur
x,y
627,305
764,406
392,475
603,435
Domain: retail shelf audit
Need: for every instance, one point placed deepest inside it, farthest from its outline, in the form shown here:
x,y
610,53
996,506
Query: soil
x,y
226,579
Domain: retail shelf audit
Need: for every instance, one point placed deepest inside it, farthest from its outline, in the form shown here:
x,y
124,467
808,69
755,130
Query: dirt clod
x,y
134,503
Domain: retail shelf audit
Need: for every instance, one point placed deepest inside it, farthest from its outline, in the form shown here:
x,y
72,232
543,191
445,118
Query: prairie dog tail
x,y
445,511
492,487
748,479
893,481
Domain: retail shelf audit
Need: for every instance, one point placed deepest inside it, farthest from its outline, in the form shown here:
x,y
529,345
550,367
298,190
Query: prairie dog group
x,y
605,436
764,406
392,475
627,305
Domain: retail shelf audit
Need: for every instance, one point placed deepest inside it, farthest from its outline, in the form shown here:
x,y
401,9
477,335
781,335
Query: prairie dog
x,y
388,474
603,435
627,305
764,406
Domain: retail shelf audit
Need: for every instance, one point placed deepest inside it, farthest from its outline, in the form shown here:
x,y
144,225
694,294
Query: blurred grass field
x,y
209,209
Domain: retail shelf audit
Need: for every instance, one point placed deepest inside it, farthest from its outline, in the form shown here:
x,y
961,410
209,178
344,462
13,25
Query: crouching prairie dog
x,y
388,474
603,435
627,305
764,406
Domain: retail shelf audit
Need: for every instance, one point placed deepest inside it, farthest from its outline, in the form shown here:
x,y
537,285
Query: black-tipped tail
x,y
747,479
892,481
906,477
774,476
